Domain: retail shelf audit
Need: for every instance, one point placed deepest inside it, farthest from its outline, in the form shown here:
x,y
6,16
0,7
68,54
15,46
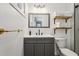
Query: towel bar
x,y
3,30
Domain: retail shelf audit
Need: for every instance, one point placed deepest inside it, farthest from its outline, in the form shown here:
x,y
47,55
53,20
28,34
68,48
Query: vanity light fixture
x,y
39,8
39,5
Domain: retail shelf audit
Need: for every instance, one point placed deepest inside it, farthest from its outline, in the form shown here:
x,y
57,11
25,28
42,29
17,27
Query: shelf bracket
x,y
66,20
54,31
65,31
54,20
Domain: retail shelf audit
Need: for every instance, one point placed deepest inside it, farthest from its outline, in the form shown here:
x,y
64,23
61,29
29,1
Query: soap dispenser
x,y
30,32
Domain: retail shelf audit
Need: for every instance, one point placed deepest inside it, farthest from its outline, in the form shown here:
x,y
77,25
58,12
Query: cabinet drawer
x,y
39,40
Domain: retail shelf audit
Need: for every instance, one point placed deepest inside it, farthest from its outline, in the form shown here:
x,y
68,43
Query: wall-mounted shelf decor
x,y
62,18
66,28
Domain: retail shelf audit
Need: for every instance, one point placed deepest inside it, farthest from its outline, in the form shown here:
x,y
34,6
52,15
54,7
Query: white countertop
x,y
37,36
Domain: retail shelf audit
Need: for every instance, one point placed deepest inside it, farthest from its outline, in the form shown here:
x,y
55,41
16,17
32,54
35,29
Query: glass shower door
x,y
77,28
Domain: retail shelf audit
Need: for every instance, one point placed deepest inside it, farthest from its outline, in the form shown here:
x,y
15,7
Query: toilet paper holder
x,y
2,30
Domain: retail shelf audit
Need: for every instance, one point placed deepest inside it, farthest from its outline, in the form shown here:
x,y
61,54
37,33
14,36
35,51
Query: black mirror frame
x,y
39,14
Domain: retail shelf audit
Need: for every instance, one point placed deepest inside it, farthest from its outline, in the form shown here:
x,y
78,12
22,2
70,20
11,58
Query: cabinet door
x,y
49,49
39,49
28,50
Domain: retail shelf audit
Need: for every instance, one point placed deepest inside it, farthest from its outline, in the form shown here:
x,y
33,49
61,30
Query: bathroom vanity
x,y
39,46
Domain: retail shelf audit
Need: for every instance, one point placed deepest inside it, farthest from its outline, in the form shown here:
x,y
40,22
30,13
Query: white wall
x,y
51,8
11,43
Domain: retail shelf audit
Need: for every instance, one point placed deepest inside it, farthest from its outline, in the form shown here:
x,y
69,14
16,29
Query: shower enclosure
x,y
76,28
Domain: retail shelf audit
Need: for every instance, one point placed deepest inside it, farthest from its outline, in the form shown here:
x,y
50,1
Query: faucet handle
x,y
41,33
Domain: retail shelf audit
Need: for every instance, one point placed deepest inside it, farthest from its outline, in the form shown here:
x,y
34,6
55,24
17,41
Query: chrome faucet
x,y
39,33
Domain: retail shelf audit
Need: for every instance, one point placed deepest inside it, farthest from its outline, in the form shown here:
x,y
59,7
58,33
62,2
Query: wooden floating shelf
x,y
62,28
63,17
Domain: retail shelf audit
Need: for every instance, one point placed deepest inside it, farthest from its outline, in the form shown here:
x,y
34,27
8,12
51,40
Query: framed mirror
x,y
39,20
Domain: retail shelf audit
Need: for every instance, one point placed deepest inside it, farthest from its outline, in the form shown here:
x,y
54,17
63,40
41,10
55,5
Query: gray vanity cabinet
x,y
39,46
